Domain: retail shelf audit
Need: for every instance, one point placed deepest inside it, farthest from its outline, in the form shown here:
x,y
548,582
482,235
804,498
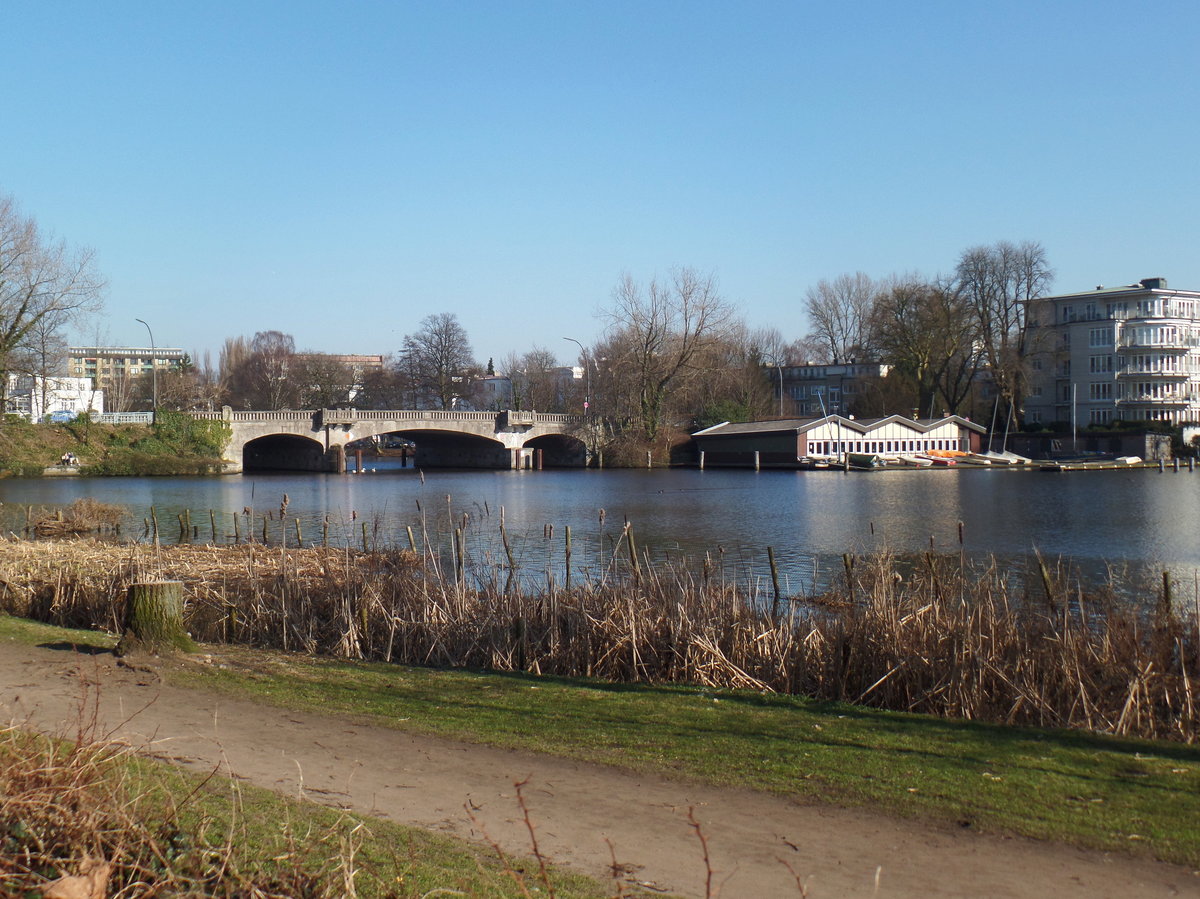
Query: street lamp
x,y
153,373
587,372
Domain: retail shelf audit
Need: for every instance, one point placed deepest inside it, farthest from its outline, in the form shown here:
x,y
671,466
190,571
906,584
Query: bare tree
x,y
927,331
40,280
998,282
438,360
840,312
536,380
661,334
324,381
260,375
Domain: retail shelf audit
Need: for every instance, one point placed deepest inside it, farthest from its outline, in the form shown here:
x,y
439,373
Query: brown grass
x,y
933,637
84,516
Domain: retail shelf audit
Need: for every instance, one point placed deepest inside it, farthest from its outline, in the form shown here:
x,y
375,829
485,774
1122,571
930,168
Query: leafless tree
x,y
998,282
41,280
926,330
662,333
840,312
324,382
438,360
536,379
262,378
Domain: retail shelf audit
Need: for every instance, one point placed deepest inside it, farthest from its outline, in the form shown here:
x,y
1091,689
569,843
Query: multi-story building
x,y
112,366
38,397
1130,353
819,390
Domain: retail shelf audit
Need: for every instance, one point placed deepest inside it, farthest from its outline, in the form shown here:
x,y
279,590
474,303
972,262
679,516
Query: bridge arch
x,y
444,448
559,450
284,452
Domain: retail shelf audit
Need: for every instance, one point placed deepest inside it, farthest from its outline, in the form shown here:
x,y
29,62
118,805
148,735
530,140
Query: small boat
x,y
1006,458
937,460
816,462
1128,460
918,461
864,461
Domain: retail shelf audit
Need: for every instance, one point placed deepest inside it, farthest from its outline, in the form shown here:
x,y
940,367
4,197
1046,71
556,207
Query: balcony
x,y
1132,375
1180,344
1146,399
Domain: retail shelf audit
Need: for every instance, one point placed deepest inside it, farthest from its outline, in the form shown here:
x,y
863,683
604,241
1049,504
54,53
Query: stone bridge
x,y
315,440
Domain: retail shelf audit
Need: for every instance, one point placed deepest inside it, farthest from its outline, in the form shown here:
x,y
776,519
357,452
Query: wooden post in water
x,y
649,459
237,528
774,581
366,545
567,555
299,539
460,563
757,461
702,460
1175,463
212,520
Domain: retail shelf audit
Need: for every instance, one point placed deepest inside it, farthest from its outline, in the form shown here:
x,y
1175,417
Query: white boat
x,y
910,459
1006,458
1128,460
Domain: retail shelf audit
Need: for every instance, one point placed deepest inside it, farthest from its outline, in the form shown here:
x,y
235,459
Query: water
x,y
1139,520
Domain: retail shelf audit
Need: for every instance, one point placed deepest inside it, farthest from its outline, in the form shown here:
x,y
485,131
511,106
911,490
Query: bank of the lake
x,y
174,445
943,636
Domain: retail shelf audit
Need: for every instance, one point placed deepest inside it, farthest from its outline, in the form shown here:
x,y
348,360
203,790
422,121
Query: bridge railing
x,y
350,415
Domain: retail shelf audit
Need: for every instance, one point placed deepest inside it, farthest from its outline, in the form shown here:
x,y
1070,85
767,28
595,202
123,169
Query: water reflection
x,y
1141,519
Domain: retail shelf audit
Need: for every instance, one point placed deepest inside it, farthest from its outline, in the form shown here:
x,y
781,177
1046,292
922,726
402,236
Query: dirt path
x,y
426,782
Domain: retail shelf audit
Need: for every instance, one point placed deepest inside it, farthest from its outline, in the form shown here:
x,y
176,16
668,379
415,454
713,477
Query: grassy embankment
x,y
927,647
173,445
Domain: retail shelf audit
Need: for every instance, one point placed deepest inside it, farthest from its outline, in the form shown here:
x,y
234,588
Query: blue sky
x,y
340,170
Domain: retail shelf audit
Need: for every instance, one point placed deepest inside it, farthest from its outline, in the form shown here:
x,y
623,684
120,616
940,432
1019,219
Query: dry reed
x,y
74,824
931,636
84,516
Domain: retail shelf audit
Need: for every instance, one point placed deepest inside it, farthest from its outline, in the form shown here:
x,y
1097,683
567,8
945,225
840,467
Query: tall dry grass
x,y
74,824
931,635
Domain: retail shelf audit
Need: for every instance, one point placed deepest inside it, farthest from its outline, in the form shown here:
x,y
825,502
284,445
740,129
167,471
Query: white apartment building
x,y
1129,353
37,397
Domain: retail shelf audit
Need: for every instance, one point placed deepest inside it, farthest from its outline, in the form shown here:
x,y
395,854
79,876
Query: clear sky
x,y
338,170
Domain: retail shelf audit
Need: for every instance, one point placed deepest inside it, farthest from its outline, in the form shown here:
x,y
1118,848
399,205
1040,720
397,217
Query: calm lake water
x,y
1141,520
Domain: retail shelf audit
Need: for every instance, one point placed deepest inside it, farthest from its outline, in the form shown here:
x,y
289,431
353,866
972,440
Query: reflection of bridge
x,y
316,440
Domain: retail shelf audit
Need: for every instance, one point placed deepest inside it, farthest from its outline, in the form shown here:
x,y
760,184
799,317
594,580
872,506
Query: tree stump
x,y
154,619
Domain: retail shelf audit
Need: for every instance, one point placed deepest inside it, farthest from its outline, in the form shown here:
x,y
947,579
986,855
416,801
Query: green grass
x,y
272,834
254,830
1077,788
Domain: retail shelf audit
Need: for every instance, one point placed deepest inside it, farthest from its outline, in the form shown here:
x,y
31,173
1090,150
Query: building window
x,y
1101,391
1100,337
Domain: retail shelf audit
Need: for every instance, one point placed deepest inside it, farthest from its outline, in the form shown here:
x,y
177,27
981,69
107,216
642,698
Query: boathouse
x,y
786,443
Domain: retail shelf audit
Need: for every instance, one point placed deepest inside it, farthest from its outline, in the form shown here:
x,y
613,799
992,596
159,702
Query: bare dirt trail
x,y
577,807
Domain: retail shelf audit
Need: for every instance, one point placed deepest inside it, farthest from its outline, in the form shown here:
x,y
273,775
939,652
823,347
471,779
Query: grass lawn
x,y
1078,788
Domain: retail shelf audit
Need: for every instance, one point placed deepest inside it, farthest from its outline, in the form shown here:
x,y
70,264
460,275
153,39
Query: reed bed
x,y
931,635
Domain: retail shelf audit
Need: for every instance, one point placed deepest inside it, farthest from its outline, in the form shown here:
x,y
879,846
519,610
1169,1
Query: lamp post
x,y
153,373
587,373
774,360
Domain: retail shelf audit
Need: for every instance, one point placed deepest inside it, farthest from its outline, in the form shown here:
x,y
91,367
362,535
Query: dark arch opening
x,y
285,452
560,450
